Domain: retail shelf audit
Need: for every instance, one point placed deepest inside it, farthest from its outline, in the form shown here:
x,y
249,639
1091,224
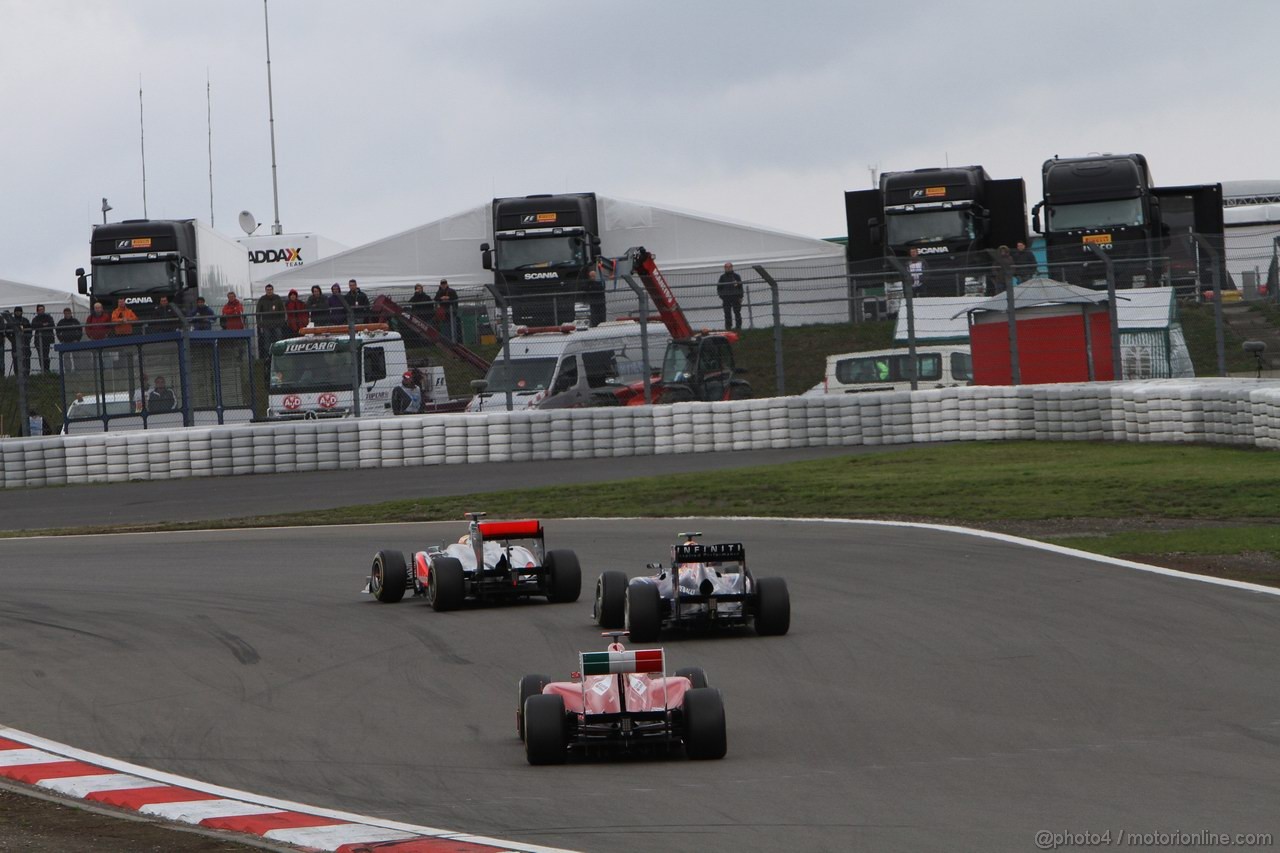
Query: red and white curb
x,y
77,774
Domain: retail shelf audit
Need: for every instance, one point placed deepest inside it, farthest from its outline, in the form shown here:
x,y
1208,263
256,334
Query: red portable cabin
x,y
1063,335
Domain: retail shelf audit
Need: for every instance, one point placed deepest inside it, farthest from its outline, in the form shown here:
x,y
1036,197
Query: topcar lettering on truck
x,y
311,346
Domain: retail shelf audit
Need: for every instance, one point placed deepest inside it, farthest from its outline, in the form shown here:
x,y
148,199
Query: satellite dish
x,y
248,222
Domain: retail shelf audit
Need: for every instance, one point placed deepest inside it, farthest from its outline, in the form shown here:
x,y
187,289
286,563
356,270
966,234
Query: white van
x,y
891,369
569,367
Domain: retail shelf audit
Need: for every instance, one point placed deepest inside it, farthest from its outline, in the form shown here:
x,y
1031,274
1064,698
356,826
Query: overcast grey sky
x,y
392,114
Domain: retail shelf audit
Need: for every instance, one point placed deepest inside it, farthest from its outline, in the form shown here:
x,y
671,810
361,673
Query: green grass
x,y
1199,329
1191,540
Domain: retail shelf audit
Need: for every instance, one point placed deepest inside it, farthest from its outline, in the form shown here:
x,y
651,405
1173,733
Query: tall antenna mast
x,y
271,114
142,138
208,102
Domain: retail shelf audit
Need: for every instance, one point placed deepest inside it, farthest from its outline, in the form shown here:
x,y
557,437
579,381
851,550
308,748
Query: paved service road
x,y
937,691
208,498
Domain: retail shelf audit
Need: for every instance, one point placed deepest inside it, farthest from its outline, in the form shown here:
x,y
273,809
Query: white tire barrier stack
x,y
1231,411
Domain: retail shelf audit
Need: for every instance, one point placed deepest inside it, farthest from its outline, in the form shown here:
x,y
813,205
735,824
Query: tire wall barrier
x,y
1219,411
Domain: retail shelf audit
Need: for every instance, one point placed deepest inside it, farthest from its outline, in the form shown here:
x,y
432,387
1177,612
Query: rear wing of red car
x,y
523,529
631,660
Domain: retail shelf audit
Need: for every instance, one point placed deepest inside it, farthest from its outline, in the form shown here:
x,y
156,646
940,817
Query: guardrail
x,y
1221,411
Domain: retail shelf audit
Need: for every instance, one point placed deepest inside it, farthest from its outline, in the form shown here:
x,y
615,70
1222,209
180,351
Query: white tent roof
x,y
450,247
15,293
945,318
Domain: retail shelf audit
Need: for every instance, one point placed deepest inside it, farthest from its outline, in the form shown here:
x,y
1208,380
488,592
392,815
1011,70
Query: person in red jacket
x,y
232,313
98,324
296,313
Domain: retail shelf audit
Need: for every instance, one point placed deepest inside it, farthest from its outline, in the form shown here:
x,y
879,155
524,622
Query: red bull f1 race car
x,y
496,560
705,585
620,700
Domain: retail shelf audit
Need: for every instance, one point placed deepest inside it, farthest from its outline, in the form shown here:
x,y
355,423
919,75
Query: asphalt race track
x,y
937,691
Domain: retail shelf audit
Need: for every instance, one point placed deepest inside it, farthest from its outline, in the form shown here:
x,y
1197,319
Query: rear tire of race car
x,y
610,609
773,607
544,728
696,675
530,685
446,587
643,612
564,577
704,727
388,578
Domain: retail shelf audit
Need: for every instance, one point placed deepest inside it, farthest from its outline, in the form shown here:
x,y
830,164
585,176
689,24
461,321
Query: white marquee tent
x,y
15,293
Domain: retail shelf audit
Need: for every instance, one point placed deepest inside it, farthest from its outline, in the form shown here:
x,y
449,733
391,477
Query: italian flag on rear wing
x,y
607,663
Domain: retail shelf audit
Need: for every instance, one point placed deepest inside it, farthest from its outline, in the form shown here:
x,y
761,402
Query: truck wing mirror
x,y
82,280
486,256
1035,218
478,385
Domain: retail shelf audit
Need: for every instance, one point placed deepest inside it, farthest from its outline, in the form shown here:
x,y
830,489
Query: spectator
x,y
337,306
37,425
729,289
160,398
166,318
406,399
317,306
98,323
272,321
594,295
1001,271
1024,262
446,313
420,304
69,328
123,318
232,313
295,311
201,316
19,335
358,301
915,266
42,326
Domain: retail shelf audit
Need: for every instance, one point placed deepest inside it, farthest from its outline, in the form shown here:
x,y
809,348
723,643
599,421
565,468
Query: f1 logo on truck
x,y
930,192
538,219
134,243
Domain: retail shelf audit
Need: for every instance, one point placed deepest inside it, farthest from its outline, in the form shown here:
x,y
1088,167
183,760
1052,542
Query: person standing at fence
x,y
166,318
915,266
358,301
98,324
295,311
69,329
1024,262
271,320
729,289
42,327
317,307
337,306
420,304
232,313
1002,271
37,424
19,335
201,316
446,300
123,318
161,398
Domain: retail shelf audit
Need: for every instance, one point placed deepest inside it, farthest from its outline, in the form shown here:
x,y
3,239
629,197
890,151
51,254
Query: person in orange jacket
x,y
232,313
124,318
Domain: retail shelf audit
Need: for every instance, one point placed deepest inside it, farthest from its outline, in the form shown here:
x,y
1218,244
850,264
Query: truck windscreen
x,y
523,374
526,253
141,277
1095,214
929,226
310,371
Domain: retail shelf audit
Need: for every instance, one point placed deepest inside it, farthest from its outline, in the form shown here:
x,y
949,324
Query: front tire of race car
x,y
610,609
530,685
564,577
704,727
544,728
643,611
773,607
446,586
388,577
697,676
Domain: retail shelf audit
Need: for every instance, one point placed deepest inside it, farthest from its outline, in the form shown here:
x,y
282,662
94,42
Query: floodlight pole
x,y
271,120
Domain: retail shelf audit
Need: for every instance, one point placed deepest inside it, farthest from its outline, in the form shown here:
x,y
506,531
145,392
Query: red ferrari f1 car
x,y
620,700
484,565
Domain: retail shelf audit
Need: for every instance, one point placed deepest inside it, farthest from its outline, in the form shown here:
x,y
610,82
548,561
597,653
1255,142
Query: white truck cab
x,y
567,367
311,375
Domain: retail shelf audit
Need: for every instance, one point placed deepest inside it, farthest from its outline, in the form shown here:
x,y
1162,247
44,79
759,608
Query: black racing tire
x,y
773,607
697,676
564,577
705,736
643,611
388,578
530,685
446,585
545,729
610,610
